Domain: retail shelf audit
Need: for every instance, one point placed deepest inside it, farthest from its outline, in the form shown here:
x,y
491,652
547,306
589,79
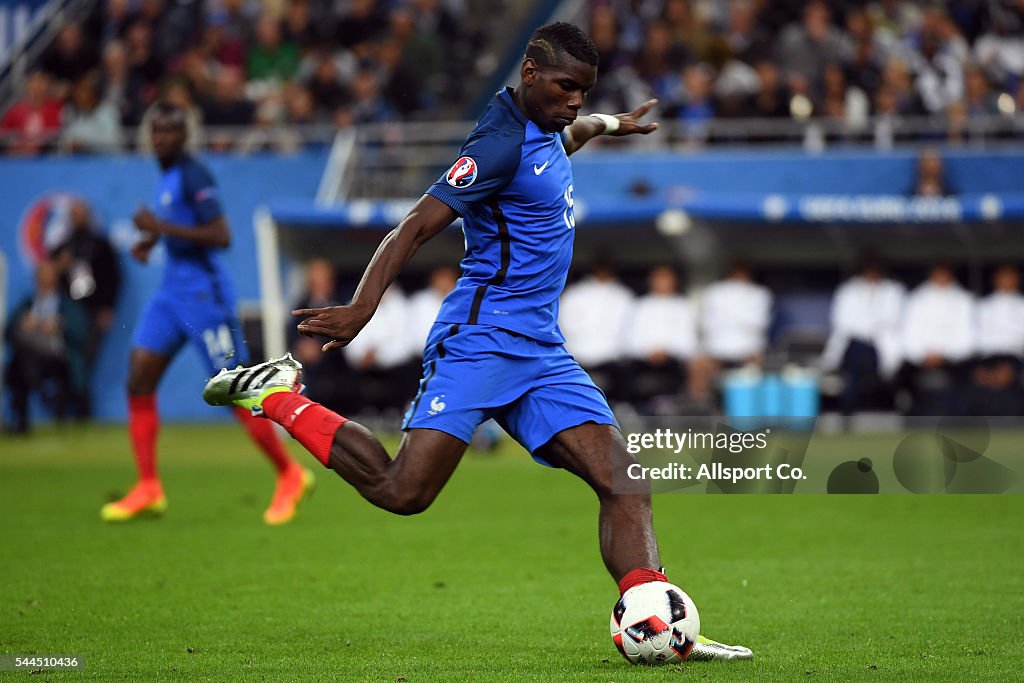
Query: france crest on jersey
x,y
512,185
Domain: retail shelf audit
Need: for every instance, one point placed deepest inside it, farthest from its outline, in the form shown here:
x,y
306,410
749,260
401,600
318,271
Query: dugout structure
x,y
701,233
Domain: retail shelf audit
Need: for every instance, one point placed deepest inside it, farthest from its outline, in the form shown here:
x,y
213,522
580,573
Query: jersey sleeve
x,y
487,163
201,193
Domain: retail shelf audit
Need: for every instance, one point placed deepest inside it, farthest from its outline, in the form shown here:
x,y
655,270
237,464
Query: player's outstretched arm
x,y
587,127
213,233
342,323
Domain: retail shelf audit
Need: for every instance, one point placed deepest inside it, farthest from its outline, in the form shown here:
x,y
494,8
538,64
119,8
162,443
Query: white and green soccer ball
x,y
655,623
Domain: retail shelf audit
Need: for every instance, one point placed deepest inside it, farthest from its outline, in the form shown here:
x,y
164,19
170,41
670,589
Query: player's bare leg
x,y
405,485
594,453
409,483
145,369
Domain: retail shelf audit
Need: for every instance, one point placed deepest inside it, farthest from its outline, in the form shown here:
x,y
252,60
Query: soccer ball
x,y
655,623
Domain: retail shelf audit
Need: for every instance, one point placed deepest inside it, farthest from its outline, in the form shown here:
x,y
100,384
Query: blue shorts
x,y
534,389
170,319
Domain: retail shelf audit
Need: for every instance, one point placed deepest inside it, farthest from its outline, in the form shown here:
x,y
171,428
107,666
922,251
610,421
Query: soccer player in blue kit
x,y
195,303
495,350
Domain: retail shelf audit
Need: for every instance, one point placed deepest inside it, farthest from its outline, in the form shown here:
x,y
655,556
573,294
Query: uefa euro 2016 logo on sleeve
x,y
462,173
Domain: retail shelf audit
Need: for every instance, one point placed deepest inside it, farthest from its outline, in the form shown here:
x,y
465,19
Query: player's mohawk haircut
x,y
549,42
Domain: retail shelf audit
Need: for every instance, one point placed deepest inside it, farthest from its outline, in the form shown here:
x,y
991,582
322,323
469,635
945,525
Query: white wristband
x,y
611,124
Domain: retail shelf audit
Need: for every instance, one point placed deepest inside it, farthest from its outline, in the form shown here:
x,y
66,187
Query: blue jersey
x,y
512,185
196,301
187,196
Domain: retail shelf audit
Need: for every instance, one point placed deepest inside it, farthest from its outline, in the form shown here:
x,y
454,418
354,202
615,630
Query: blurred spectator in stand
x,y
937,338
733,320
1000,52
660,60
89,124
32,124
298,27
68,58
367,106
864,343
897,79
145,68
931,176
806,48
661,339
91,276
593,315
1000,346
119,86
688,28
979,99
868,54
382,357
425,304
846,105
325,83
47,334
174,90
363,23
229,31
327,376
401,86
771,99
939,75
110,20
604,32
694,106
227,107
747,40
422,54
199,70
271,60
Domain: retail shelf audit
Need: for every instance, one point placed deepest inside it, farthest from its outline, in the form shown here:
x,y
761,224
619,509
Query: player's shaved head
x,y
551,42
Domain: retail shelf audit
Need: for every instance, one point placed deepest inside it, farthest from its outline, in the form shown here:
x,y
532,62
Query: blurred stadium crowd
x,y
279,68
273,67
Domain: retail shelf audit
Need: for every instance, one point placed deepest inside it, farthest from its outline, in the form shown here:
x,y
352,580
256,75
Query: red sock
x,y
309,423
143,425
639,576
262,432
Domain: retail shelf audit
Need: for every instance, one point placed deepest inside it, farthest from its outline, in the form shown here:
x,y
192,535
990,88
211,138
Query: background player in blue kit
x,y
495,350
195,303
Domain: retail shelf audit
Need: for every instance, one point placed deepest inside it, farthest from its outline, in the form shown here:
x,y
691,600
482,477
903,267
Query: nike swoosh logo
x,y
538,170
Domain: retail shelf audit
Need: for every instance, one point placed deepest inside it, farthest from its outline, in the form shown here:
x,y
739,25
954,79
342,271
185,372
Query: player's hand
x,y
629,124
146,220
141,249
340,324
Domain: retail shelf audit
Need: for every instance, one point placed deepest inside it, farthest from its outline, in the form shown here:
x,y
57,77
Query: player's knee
x,y
410,503
399,499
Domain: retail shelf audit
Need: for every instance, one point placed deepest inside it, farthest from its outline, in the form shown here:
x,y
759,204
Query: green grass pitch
x,y
500,580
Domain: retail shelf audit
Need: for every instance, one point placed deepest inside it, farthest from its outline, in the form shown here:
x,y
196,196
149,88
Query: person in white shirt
x,y
937,339
662,337
382,356
864,343
1000,345
593,314
425,304
733,321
